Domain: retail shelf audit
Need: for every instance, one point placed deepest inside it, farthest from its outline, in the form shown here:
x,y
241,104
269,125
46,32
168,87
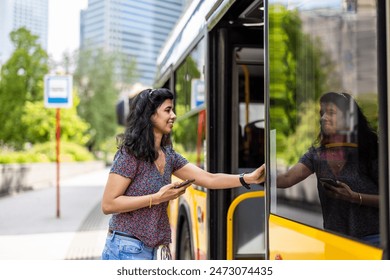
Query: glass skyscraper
x,y
137,28
32,14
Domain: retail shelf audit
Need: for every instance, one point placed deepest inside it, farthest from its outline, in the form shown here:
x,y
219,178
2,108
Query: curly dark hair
x,y
138,139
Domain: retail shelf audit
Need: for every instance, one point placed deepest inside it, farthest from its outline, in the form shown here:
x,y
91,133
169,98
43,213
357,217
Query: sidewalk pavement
x,y
31,230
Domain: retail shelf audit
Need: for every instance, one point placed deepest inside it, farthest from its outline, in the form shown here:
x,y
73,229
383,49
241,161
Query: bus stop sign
x,y
58,91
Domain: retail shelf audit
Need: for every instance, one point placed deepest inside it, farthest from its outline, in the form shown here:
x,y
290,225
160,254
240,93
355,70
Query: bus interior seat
x,y
253,144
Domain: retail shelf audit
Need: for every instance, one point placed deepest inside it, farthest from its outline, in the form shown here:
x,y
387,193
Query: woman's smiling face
x,y
332,119
164,117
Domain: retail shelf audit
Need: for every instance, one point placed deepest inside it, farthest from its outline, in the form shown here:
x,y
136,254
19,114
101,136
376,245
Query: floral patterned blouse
x,y
150,225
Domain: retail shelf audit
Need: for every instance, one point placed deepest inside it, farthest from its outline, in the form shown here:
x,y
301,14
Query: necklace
x,y
336,158
160,166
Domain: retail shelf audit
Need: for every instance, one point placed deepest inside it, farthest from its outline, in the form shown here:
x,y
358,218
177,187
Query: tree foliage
x,y
99,77
21,80
23,118
40,123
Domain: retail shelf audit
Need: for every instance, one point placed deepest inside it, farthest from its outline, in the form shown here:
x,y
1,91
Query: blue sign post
x,y
58,94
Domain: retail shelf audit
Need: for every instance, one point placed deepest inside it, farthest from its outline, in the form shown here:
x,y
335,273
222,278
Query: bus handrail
x,y
230,213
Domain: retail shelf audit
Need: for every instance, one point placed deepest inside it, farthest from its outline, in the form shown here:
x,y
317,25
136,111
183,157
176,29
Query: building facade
x,y
32,14
133,27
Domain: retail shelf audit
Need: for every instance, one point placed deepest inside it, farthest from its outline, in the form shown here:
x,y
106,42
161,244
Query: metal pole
x,y
58,133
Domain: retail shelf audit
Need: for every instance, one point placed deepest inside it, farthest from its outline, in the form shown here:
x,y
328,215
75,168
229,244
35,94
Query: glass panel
x,y
250,65
189,133
318,47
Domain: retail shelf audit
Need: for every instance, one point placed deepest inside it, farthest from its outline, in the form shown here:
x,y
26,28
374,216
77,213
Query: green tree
x,y
73,128
21,80
99,77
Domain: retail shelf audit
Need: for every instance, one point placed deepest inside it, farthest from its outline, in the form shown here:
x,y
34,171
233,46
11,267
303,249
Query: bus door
x,y
248,89
236,129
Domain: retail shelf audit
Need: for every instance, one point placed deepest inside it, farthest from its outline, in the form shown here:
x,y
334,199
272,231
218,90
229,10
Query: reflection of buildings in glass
x,y
347,35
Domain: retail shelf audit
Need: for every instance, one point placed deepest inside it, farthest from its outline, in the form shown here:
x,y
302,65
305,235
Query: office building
x,y
32,14
133,27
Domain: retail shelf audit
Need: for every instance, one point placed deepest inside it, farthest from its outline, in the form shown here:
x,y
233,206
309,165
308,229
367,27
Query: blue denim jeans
x,y
119,247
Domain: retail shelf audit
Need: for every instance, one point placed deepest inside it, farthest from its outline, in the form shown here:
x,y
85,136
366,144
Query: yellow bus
x,y
214,63
247,75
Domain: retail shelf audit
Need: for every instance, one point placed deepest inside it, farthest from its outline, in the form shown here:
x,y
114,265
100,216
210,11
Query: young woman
x,y
346,165
139,185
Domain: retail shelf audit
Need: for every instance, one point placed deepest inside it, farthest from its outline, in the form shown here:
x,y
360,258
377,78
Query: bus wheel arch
x,y
184,241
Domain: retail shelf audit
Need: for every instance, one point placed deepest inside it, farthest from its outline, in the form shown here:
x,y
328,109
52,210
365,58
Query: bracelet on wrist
x,y
242,181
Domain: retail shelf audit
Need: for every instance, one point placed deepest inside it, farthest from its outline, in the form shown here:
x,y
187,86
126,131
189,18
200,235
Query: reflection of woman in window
x,y
347,153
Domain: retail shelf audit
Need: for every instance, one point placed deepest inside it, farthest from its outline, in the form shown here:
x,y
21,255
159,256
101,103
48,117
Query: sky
x,y
64,26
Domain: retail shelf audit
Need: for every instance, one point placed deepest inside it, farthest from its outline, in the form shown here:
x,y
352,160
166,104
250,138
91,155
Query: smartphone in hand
x,y
185,183
329,181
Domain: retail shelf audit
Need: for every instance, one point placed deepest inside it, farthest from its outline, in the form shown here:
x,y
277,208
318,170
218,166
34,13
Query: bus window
x,y
189,134
249,64
318,47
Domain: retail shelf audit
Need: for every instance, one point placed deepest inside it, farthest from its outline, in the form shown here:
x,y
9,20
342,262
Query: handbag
x,y
163,253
